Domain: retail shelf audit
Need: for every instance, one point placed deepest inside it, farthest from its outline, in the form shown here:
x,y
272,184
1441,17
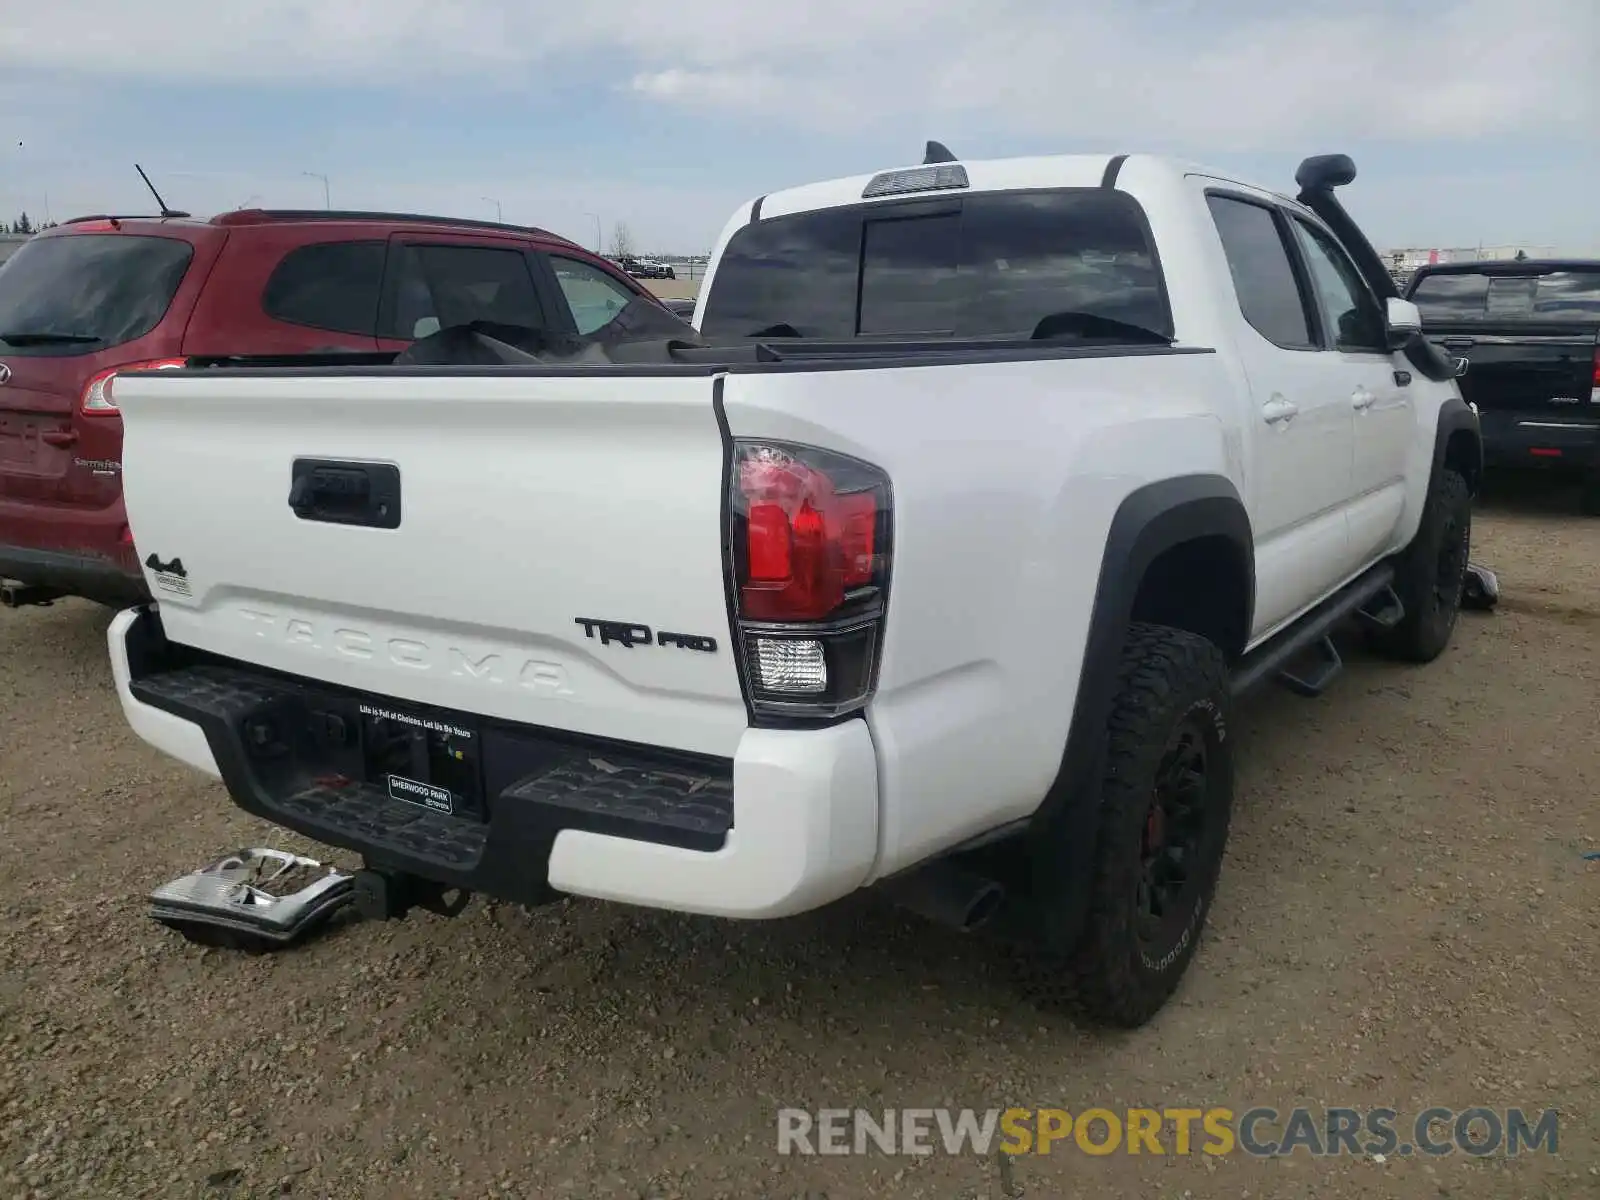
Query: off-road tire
x,y
1431,574
1169,682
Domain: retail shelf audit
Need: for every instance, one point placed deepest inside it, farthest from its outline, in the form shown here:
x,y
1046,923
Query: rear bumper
x,y
1520,439
790,824
78,552
112,582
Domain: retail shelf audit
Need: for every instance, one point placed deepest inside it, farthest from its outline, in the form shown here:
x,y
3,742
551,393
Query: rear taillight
x,y
97,400
810,560
1594,381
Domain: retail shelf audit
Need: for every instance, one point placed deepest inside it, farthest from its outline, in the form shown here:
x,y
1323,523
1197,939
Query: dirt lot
x,y
1406,919
673,289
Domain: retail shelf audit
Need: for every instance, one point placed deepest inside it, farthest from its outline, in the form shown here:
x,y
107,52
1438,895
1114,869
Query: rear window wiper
x,y
28,337
782,329
1069,323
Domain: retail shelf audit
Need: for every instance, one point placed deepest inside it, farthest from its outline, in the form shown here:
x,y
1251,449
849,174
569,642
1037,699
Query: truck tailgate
x,y
545,533
1529,371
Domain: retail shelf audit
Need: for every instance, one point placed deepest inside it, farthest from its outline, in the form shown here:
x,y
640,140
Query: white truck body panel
x,y
533,499
549,500
999,533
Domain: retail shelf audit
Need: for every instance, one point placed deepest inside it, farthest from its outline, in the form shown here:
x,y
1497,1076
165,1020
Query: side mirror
x,y
1402,321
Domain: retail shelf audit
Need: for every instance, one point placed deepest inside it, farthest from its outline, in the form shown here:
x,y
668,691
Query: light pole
x,y
599,238
327,194
499,215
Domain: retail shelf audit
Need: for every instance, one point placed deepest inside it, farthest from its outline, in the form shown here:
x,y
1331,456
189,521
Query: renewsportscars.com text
x,y
1259,1132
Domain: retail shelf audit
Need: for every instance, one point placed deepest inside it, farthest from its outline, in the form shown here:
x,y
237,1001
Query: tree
x,y
23,226
621,241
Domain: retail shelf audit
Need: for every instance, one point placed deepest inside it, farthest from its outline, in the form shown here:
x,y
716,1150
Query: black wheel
x,y
1432,574
1166,800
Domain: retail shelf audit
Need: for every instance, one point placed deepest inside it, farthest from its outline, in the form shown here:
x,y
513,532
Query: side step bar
x,y
1372,595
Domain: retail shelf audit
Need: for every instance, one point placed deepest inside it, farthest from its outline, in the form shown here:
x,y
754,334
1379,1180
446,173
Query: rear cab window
x,y
1553,295
1073,262
79,293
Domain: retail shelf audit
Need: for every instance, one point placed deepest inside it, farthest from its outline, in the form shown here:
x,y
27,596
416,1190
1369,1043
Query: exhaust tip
x,y
947,895
983,907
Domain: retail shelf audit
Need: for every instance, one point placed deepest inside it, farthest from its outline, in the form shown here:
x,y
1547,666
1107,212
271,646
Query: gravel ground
x,y
1405,919
673,289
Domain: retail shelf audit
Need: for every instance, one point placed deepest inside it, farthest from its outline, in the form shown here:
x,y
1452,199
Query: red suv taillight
x,y
97,401
810,560
1594,382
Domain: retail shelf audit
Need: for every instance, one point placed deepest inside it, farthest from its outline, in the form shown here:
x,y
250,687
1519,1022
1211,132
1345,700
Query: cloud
x,y
708,88
667,115
1239,75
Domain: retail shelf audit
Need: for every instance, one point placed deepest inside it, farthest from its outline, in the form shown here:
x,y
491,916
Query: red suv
x,y
99,295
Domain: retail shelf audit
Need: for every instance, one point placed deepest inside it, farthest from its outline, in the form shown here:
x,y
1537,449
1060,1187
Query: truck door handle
x,y
1278,410
345,493
1362,399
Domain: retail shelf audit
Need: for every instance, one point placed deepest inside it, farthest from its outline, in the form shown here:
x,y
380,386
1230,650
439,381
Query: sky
x,y
1470,121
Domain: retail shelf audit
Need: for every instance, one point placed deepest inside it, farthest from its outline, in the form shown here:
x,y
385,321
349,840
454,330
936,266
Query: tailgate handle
x,y
345,493
1458,343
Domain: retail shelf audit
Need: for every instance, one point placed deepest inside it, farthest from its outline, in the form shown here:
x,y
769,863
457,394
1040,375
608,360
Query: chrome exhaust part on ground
x,y
1482,589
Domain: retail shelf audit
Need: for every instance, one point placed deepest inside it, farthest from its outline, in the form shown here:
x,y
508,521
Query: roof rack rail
x,y
261,216
122,217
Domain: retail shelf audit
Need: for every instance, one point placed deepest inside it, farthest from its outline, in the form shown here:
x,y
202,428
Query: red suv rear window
x,y
82,292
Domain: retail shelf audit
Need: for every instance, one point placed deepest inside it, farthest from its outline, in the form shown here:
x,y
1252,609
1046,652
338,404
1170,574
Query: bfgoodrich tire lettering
x,y
1166,800
1432,573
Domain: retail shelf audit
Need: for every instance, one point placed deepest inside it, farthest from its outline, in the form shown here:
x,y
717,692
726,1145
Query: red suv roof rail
x,y
124,217
263,216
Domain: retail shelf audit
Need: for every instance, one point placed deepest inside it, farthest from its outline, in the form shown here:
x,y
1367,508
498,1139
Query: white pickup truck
x,y
934,564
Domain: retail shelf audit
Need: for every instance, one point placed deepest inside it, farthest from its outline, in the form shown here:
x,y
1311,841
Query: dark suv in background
x,y
102,295
645,268
1529,333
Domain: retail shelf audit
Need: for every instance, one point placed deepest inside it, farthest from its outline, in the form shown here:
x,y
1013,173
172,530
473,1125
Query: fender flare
x,y
1149,521
1455,415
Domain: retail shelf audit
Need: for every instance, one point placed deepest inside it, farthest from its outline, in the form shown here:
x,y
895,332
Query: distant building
x,y
1410,258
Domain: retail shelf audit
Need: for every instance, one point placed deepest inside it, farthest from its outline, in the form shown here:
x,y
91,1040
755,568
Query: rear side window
x,y
1002,264
440,286
330,285
1263,275
81,292
1568,295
